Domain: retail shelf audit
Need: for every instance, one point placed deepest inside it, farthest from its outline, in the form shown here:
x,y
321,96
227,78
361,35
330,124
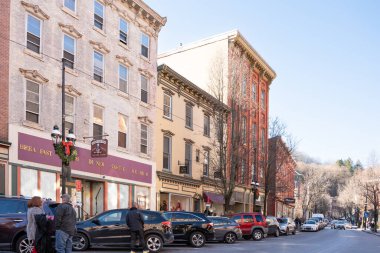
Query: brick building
x,y
281,199
243,70
110,48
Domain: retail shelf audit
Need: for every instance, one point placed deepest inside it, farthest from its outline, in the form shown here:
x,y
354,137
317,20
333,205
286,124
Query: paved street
x,y
326,241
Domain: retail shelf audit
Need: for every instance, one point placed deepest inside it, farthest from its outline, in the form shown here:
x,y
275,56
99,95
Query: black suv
x,y
109,229
193,228
13,221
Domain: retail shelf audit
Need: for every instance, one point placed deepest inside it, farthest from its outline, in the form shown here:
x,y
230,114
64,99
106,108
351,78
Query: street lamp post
x,y
64,146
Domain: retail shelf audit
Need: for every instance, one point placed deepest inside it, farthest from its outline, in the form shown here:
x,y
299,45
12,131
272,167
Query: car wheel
x,y
80,242
287,231
277,233
257,235
197,239
230,238
247,237
23,245
154,243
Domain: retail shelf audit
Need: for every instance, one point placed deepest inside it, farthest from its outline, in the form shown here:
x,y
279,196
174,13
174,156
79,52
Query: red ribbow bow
x,y
67,146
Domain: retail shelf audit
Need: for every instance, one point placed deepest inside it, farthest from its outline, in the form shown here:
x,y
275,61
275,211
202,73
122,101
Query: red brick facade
x,y
4,68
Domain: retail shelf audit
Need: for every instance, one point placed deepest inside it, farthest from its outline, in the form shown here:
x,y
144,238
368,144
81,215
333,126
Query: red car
x,y
252,225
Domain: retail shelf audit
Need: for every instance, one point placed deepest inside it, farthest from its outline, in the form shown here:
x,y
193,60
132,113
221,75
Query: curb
x,y
369,232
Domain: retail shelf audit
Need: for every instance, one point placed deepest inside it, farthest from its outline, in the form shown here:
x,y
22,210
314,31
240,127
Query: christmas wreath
x,y
66,152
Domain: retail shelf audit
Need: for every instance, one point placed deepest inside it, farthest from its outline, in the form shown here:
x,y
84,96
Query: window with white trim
x,y
123,78
69,112
244,86
206,163
189,115
98,122
144,139
145,45
123,131
98,66
32,101
33,34
123,31
263,99
206,126
144,89
188,155
69,50
98,15
70,4
167,154
167,105
254,91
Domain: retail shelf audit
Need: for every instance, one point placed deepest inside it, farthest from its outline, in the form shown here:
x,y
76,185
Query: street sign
x,y
289,200
99,148
366,215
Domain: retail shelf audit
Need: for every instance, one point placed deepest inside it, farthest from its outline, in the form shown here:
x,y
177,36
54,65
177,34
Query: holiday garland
x,y
60,151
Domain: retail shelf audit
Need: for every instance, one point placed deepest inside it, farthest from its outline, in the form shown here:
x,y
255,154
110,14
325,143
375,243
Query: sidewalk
x,y
370,232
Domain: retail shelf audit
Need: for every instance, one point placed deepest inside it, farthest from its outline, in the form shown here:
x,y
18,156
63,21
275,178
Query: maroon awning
x,y
213,197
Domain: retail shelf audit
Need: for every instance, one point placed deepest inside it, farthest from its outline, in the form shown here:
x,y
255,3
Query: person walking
x,y
34,208
65,220
135,222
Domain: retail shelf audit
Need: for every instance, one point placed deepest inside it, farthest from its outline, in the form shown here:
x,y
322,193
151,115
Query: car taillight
x,y
166,224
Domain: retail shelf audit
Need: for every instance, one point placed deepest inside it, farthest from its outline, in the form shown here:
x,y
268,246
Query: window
x,y
206,127
123,131
244,86
145,45
69,51
167,153
263,137
32,101
184,217
69,113
244,130
97,127
263,99
8,206
237,219
259,218
247,218
167,105
254,127
206,163
123,33
197,153
144,89
188,151
70,4
110,218
254,91
123,78
98,15
189,115
243,171
33,35
98,66
144,139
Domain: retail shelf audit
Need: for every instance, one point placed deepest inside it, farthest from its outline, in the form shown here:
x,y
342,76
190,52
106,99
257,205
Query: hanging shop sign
x,y
183,169
289,200
99,148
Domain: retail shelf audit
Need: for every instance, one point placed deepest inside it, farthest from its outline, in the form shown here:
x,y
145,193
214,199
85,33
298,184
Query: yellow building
x,y
184,139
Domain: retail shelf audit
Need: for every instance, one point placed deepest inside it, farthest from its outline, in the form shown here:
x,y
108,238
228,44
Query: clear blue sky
x,y
326,55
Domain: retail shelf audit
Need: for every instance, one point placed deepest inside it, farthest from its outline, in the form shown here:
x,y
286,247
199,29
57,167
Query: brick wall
x,y
4,68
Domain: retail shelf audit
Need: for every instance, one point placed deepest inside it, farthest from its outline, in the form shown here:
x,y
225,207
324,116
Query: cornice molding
x,y
35,10
207,148
69,89
167,132
33,75
189,140
145,120
99,47
70,30
145,72
124,60
178,179
168,91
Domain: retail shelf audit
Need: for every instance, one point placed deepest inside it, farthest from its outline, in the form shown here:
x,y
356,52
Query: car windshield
x,y
310,222
341,222
282,220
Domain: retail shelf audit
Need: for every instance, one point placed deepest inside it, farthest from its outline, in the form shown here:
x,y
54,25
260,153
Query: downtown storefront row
x,y
96,184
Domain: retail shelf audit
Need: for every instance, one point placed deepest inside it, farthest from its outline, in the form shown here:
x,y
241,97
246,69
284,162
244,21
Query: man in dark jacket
x,y
65,220
135,222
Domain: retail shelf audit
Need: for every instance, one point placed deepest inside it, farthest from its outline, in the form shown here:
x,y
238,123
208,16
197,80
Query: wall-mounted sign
x,y
99,148
289,200
78,185
183,169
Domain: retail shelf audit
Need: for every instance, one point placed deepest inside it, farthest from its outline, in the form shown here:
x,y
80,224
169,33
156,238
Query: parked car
x,y
252,225
193,228
109,229
332,223
287,226
13,221
226,230
273,226
310,225
343,224
318,222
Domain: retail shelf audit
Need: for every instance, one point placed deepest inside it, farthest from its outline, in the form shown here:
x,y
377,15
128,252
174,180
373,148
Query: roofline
x,y
152,12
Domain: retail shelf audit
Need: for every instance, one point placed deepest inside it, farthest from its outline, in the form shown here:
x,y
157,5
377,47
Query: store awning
x,y
213,197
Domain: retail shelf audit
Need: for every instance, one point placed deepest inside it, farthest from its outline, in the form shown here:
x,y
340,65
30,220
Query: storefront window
x,y
112,196
28,183
124,195
48,185
142,197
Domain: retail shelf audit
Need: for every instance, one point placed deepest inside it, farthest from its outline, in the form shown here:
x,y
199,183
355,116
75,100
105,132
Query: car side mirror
x,y
96,221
